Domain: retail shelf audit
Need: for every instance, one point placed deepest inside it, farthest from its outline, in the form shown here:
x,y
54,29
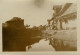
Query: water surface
x,y
43,45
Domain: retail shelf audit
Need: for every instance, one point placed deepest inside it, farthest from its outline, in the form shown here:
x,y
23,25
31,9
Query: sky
x,y
34,12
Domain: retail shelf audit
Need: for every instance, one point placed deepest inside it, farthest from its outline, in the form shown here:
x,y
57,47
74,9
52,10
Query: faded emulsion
x,y
57,35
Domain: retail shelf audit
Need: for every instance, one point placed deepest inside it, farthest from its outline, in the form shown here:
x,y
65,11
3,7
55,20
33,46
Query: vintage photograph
x,y
38,25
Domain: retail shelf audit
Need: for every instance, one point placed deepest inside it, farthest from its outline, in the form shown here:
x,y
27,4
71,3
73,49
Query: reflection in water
x,y
43,45
50,44
29,47
59,45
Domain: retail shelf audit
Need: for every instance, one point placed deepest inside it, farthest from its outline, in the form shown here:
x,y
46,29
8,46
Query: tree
x,y
27,26
59,11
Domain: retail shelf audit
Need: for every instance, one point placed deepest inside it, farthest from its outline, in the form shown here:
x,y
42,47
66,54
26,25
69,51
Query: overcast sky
x,y
34,12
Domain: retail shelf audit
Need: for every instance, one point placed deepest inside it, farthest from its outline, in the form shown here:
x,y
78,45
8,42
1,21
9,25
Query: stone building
x,y
14,23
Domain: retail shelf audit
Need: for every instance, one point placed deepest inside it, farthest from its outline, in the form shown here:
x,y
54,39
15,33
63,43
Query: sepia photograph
x,y
38,25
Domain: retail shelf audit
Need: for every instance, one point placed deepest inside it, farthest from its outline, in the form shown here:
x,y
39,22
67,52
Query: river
x,y
43,45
